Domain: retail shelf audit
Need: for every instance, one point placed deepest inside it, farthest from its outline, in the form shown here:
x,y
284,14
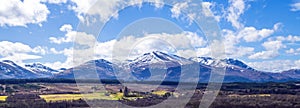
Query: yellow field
x,y
116,96
67,97
160,93
3,98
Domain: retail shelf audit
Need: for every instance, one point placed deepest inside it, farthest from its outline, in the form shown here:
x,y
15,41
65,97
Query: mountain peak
x,y
9,62
40,68
99,61
227,62
157,56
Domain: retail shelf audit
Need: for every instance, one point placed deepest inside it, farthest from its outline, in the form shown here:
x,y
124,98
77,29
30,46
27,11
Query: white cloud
x,y
56,65
232,49
20,57
21,13
162,42
18,52
275,65
289,38
264,55
137,46
81,38
157,3
295,7
235,10
40,50
9,48
293,51
273,45
251,34
68,63
232,39
272,50
192,14
138,3
177,9
105,9
55,1
240,51
66,28
207,10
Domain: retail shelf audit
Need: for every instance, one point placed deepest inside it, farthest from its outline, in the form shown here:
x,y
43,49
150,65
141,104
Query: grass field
x,y
67,97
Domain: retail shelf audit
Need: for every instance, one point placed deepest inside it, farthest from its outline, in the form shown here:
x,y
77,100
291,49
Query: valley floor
x,y
67,95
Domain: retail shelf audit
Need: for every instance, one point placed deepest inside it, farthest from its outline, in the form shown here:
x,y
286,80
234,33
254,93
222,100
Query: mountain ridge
x,y
144,67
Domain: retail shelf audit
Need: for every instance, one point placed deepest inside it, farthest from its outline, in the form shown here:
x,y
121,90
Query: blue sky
x,y
263,33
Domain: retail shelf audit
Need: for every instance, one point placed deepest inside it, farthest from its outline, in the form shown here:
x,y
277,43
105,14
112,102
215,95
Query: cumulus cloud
x,y
135,46
66,28
232,49
271,50
54,51
19,52
105,9
162,42
293,51
22,12
192,14
295,7
68,63
251,34
288,38
81,38
273,45
20,57
232,40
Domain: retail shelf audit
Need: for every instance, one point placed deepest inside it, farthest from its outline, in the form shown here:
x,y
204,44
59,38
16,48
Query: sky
x,y
262,33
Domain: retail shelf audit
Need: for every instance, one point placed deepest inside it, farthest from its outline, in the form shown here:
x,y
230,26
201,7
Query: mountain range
x,y
153,66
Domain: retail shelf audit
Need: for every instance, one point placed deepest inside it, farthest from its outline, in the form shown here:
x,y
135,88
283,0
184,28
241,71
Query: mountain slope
x,y
157,64
103,68
10,70
41,70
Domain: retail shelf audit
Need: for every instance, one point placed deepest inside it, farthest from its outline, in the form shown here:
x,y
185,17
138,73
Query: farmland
x,y
52,95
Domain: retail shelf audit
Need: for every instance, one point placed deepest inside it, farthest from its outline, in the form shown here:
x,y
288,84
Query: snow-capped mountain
x,y
228,62
159,58
8,70
41,70
159,62
150,67
209,61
